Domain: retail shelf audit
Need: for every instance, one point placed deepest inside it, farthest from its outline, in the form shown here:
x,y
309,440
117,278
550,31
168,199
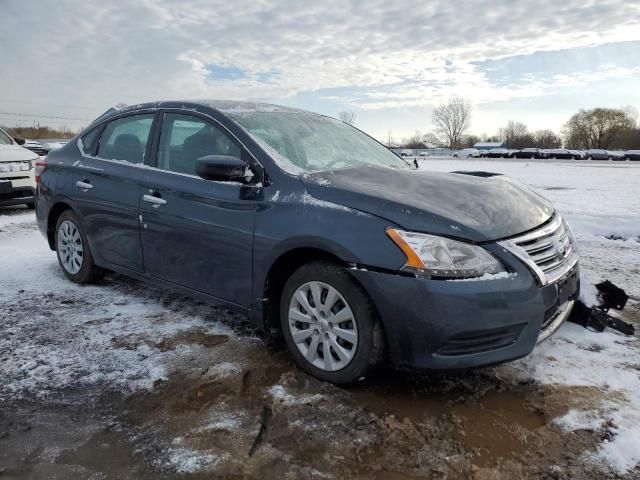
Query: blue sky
x,y
390,62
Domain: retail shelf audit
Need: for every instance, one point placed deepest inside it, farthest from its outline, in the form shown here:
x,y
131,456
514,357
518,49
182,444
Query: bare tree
x,y
347,116
452,120
598,128
468,141
432,139
516,135
547,139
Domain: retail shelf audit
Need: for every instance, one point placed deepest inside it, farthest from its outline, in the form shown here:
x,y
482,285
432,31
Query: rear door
x,y
197,233
106,186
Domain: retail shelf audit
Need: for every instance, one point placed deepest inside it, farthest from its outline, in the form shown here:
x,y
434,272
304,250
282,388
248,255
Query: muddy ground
x,y
230,403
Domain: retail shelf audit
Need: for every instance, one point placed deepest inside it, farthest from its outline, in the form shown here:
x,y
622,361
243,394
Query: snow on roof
x,y
489,145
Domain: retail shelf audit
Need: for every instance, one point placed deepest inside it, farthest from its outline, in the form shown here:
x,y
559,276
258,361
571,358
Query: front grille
x,y
550,251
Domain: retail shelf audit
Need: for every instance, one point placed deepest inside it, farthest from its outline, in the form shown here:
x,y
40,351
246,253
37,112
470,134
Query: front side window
x,y
310,142
184,139
126,138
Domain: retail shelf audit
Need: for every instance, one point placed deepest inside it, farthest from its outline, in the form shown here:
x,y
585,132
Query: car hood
x,y
14,153
475,206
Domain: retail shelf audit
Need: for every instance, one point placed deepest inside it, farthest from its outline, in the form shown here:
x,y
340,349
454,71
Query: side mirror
x,y
223,168
19,141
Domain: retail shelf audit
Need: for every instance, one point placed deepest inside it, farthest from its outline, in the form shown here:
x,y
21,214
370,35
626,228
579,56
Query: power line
x,y
55,117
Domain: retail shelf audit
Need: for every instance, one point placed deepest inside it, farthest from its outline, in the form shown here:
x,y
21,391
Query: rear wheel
x,y
31,206
589,157
72,249
609,158
329,324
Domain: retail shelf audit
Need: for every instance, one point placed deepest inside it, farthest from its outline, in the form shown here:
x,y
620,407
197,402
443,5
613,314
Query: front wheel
x,y
73,252
330,324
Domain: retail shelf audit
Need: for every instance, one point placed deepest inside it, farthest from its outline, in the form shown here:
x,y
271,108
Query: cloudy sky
x,y
536,61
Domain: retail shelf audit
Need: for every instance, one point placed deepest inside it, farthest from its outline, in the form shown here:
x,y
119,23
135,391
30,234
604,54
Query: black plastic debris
x,y
612,296
596,318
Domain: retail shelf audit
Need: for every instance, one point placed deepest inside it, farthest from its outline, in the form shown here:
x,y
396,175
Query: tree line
x,y
605,128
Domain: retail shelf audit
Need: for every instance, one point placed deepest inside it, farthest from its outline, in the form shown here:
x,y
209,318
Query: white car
x,y
423,154
17,169
467,153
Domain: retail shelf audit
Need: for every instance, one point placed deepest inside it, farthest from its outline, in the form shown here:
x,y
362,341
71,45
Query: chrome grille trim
x,y
549,252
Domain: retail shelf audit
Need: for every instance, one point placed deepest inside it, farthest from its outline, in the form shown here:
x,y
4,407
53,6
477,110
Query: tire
x,y
589,157
470,156
70,238
609,158
360,341
573,157
31,206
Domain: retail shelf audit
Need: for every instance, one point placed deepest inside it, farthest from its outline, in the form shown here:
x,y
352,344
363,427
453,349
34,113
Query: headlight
x,y
442,257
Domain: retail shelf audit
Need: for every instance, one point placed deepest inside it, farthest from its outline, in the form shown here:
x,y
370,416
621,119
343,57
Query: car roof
x,y
222,106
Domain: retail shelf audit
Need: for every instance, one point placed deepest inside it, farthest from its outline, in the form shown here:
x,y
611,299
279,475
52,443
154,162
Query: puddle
x,y
196,336
494,424
108,452
498,425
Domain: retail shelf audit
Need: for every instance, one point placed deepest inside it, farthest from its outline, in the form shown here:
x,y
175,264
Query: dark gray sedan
x,y
314,230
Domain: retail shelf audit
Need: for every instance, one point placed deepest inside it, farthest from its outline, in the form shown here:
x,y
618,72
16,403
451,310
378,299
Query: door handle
x,y
84,185
156,201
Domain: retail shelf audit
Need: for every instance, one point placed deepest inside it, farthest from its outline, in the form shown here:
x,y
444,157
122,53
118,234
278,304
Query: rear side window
x,y
126,138
88,140
184,139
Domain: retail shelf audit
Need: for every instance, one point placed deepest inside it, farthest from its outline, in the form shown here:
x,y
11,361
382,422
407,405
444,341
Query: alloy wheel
x,y
70,248
323,326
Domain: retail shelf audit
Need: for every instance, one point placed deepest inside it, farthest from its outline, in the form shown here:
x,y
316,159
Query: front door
x,y
107,190
197,233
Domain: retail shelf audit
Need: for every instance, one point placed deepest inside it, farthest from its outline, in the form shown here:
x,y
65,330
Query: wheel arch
x,y
280,271
52,219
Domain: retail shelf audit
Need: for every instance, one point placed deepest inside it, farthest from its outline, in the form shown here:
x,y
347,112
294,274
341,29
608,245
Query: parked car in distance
x,y
497,153
467,153
578,154
617,155
36,147
310,227
53,144
406,153
423,154
563,153
597,154
17,181
533,153
632,155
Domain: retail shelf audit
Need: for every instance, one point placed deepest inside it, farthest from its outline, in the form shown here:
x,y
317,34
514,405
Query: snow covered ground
x,y
59,340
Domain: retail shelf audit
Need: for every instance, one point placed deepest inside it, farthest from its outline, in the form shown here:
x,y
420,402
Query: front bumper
x,y
437,324
17,188
16,195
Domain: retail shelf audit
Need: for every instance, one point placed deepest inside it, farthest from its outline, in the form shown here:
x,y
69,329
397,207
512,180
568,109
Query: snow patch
x,y
486,277
280,394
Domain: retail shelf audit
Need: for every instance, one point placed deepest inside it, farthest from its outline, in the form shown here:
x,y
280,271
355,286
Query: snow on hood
x,y
450,204
15,153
